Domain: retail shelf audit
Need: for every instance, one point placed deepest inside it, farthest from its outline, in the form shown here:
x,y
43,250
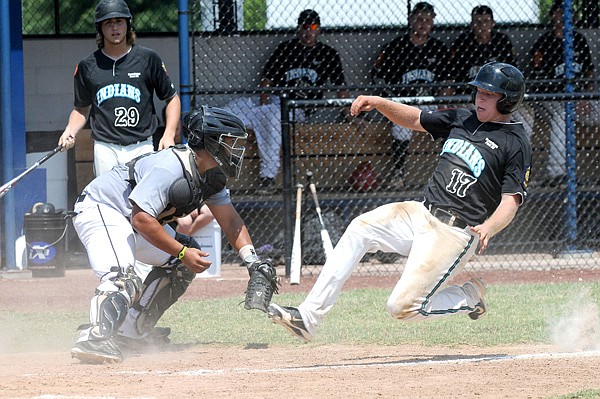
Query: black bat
x,y
6,188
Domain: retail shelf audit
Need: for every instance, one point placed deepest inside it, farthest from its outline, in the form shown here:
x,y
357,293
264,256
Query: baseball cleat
x,y
156,341
290,319
476,284
97,351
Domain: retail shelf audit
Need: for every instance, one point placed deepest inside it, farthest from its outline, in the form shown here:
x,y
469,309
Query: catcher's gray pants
x,y
434,250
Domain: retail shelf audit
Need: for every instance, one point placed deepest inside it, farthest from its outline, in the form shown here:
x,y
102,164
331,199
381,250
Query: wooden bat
x,y
325,239
296,261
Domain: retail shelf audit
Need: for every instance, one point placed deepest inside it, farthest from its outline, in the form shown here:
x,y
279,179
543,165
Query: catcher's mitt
x,y
261,286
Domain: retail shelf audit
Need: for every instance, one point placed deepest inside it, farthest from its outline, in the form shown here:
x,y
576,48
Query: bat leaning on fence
x,y
296,261
325,239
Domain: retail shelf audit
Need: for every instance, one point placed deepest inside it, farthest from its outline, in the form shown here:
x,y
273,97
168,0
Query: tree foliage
x,y
76,17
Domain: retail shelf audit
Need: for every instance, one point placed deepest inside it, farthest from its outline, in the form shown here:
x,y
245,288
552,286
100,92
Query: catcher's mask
x,y
217,131
107,9
502,78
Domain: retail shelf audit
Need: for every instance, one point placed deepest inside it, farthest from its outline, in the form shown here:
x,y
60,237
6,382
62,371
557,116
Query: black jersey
x,y
552,66
468,56
478,163
404,63
121,94
293,64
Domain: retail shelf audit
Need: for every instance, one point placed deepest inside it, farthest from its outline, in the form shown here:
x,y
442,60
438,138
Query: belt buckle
x,y
444,216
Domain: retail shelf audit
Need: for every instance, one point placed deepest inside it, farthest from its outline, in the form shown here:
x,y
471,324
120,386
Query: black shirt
x,y
121,94
407,64
293,64
468,56
552,65
478,163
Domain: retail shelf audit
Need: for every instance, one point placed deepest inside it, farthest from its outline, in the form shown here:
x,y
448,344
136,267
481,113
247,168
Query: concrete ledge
x,y
15,274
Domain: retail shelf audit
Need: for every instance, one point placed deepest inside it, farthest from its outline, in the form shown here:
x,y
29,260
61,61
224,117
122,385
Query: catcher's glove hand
x,y
261,286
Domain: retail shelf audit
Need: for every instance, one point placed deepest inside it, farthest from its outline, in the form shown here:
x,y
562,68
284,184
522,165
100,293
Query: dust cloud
x,y
578,325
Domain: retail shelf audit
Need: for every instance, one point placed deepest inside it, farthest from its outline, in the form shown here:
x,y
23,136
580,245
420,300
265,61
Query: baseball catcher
x,y
144,265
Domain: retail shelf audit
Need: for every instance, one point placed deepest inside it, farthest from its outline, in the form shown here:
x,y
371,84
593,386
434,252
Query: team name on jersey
x,y
298,73
118,90
418,75
467,152
559,70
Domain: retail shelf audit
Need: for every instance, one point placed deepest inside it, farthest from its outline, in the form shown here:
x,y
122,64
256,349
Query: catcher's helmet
x,y
107,9
217,131
502,78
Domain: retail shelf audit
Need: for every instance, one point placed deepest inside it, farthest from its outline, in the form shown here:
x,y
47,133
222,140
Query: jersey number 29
x,y
127,117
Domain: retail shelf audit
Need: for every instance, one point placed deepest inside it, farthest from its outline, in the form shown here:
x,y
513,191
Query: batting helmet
x,y
43,208
217,131
502,78
107,9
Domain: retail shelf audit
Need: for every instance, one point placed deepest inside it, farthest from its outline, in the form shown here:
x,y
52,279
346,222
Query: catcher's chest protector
x,y
189,192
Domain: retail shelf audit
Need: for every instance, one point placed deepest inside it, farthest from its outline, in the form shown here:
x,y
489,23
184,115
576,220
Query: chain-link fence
x,y
69,17
239,61
400,49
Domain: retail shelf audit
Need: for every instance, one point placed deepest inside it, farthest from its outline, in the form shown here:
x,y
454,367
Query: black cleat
x,y
97,351
156,341
290,319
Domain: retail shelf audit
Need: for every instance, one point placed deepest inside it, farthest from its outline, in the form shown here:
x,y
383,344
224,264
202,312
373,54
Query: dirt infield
x,y
301,371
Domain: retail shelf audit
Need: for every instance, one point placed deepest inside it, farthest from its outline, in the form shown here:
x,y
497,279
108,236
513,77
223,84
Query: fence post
x,y
185,87
570,145
288,217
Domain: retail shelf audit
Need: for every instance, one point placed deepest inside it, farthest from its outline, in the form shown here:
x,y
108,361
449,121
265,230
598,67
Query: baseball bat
x,y
325,239
6,188
296,261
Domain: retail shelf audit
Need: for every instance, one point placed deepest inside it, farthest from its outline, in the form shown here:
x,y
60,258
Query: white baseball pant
x,y
107,155
265,120
434,249
110,240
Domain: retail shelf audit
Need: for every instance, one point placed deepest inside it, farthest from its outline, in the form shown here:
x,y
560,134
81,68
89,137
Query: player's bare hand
x,y
66,140
364,104
195,260
165,142
484,236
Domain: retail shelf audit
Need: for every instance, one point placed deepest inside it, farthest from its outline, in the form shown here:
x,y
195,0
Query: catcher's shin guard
x,y
261,286
114,296
162,288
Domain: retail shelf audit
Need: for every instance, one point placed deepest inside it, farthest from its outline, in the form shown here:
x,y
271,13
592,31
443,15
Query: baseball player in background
x,y
475,191
548,64
122,217
479,44
413,61
303,63
115,88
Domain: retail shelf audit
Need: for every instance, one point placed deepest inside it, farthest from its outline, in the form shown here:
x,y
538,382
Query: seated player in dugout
x,y
412,64
304,65
474,193
122,219
478,45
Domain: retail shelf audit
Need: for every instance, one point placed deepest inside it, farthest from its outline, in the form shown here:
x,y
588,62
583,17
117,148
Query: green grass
x,y
586,394
517,314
